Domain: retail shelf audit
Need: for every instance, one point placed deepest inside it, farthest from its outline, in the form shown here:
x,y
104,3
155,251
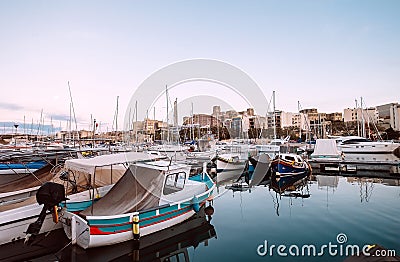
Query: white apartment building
x,y
390,113
370,115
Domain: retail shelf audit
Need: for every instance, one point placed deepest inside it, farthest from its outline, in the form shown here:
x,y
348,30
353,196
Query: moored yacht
x,y
357,144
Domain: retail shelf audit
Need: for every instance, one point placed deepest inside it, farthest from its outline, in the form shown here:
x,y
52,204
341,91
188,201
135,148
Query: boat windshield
x,y
356,140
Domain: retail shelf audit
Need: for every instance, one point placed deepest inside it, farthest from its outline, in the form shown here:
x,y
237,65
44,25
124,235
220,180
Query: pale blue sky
x,y
323,53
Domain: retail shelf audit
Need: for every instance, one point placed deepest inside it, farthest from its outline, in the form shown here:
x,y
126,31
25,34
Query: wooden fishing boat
x,y
288,167
150,197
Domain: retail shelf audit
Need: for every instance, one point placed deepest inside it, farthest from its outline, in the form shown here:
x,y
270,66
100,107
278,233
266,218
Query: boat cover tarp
x,y
261,169
139,188
23,181
325,147
89,165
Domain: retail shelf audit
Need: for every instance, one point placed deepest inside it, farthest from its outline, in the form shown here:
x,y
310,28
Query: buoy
x,y
55,214
135,227
209,211
195,204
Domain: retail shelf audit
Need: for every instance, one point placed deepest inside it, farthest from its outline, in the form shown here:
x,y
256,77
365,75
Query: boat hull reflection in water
x,y
171,242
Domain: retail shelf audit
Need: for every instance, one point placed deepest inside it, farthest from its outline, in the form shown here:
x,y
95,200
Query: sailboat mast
x,y
358,121
166,96
192,130
300,118
116,117
136,132
273,105
362,118
218,124
73,111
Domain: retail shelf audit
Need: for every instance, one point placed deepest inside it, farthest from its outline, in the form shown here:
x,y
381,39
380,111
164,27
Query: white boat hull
x,y
225,167
369,148
13,224
79,231
17,171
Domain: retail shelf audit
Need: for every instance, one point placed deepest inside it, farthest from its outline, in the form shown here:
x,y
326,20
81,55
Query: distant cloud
x,y
10,106
60,117
28,128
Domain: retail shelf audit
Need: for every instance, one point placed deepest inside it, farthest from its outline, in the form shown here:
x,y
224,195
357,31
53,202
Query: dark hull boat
x,y
286,168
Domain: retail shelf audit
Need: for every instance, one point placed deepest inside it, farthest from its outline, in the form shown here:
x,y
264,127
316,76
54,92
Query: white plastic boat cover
x,y
325,147
138,189
88,165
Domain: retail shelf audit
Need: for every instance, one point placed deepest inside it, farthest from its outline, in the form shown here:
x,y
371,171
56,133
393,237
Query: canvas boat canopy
x,y
89,165
104,170
138,189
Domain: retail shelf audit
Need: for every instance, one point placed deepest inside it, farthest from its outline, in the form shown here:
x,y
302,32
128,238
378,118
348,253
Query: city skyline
x,y
346,115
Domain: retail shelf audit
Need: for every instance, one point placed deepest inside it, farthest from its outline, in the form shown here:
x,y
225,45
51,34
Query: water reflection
x,y
363,208
293,188
171,244
167,245
289,186
327,181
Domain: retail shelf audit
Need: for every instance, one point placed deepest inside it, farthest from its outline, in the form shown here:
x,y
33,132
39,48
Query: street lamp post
x,y
16,128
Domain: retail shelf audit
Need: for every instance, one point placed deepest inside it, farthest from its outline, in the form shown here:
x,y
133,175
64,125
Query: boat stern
x,y
76,229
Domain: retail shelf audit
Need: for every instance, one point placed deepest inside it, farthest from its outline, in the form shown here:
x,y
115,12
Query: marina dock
x,y
382,169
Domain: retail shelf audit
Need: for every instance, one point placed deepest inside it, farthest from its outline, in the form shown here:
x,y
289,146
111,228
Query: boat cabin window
x,y
174,183
355,140
290,158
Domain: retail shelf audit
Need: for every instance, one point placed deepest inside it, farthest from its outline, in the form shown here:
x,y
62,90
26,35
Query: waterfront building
x,y
390,114
337,116
202,120
370,114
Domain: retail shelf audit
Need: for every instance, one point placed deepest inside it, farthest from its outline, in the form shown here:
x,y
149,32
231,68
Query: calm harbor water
x,y
366,211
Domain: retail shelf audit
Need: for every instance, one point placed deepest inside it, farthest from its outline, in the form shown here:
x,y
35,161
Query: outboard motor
x,y
50,195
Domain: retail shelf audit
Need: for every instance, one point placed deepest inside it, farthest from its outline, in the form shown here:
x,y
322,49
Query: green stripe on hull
x,y
112,221
77,206
147,214
164,216
168,209
111,225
